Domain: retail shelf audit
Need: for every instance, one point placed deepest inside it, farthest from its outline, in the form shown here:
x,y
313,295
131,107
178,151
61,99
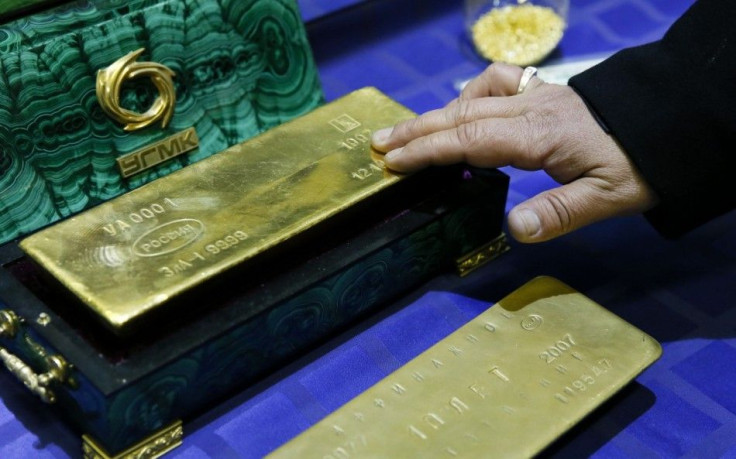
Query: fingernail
x,y
527,220
380,137
393,154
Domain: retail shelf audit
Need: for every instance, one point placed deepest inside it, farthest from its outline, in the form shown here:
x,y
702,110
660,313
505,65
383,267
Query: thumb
x,y
559,211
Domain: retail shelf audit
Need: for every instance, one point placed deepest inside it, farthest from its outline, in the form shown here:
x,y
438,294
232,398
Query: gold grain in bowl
x,y
519,32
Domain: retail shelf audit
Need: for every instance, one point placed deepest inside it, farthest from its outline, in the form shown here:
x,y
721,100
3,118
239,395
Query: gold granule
x,y
520,35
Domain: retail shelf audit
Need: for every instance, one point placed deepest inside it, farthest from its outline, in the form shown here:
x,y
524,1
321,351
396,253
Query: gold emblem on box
x,y
111,79
152,155
109,82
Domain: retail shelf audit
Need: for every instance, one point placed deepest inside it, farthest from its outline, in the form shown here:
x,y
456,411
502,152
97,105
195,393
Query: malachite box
x,y
240,68
229,69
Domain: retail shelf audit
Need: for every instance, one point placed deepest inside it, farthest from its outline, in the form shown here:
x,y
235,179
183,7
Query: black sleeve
x,y
672,106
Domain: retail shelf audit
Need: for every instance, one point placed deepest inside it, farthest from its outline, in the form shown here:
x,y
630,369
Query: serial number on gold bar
x,y
127,256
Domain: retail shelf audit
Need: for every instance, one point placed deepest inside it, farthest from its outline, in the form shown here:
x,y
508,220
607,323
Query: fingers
x,y
450,117
494,142
562,210
478,101
497,80
547,127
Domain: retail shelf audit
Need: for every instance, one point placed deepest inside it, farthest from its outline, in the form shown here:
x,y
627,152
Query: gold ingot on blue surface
x,y
128,256
507,384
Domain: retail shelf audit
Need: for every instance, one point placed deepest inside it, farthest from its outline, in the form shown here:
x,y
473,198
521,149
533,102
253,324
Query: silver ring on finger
x,y
529,73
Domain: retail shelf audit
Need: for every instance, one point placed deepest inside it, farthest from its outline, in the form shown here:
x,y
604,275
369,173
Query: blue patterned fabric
x,y
682,292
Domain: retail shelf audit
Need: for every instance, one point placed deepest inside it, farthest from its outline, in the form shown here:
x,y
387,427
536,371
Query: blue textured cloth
x,y
681,292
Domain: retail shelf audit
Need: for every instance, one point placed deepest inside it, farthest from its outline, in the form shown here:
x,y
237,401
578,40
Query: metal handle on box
x,y
39,383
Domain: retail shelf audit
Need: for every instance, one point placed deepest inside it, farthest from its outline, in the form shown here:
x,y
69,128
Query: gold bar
x,y
507,384
129,255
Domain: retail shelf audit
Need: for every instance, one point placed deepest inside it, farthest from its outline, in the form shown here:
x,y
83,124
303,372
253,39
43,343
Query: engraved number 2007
x,y
556,350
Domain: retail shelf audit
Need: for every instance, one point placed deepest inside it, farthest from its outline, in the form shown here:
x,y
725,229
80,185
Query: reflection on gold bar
x,y
507,384
127,256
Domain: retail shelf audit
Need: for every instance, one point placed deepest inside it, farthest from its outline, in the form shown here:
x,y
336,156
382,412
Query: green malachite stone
x,y
11,7
242,66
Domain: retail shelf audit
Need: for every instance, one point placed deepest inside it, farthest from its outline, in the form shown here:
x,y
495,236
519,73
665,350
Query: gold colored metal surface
x,y
37,384
58,370
111,79
40,384
482,255
507,384
9,323
131,254
151,155
152,447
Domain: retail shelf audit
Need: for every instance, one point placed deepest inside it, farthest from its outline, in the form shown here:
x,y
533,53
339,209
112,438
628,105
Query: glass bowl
x,y
520,32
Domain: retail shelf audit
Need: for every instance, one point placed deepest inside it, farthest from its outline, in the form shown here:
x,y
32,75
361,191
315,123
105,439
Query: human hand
x,y
546,127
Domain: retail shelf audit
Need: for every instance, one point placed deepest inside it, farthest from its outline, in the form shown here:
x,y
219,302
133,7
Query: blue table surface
x,y
681,292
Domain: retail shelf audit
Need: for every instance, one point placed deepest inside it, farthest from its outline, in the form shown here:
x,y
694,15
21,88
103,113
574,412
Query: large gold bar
x,y
507,384
127,256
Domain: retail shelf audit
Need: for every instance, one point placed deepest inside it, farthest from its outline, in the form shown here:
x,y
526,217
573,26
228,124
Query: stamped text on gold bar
x,y
507,384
